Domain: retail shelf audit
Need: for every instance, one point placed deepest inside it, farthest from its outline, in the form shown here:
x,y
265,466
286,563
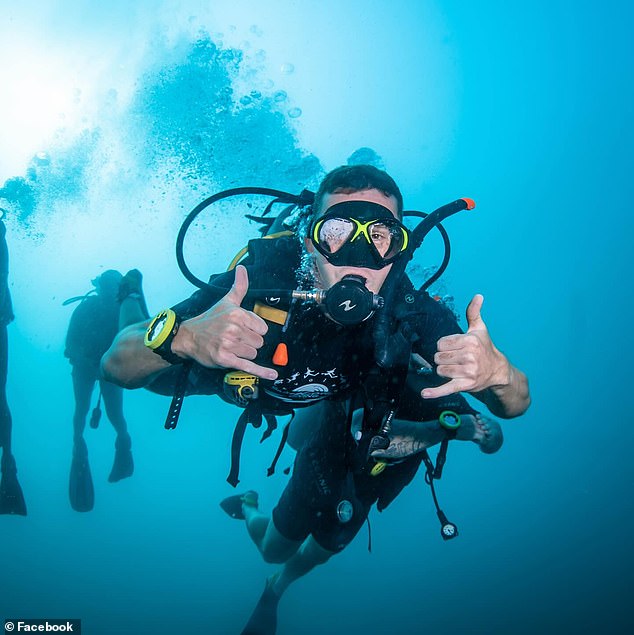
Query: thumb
x,y
474,319
240,286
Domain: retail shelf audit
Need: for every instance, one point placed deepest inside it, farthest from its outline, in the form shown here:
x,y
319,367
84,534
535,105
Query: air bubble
x,y
287,69
293,113
42,158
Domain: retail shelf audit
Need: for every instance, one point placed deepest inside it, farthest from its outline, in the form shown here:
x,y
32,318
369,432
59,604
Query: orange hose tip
x,y
470,202
280,357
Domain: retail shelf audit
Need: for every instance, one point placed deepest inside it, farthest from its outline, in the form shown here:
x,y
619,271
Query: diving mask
x,y
359,234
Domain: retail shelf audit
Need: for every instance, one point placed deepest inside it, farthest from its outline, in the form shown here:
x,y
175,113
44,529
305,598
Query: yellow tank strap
x,y
238,257
270,313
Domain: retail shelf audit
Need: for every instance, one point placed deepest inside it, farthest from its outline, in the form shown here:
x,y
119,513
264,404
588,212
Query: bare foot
x,y
487,433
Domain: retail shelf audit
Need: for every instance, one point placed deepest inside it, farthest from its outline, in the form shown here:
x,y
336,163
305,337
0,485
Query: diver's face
x,y
329,274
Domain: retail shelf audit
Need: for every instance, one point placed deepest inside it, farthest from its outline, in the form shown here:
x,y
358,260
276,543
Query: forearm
x,y
508,398
410,437
128,362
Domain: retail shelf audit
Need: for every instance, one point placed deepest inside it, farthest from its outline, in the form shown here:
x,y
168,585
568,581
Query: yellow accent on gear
x,y
170,319
378,468
270,313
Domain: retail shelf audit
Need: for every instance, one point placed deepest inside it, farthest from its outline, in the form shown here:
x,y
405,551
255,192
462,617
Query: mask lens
x,y
387,238
334,233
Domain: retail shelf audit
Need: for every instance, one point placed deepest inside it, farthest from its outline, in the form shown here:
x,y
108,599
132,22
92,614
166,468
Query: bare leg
x,y
5,413
113,402
11,496
298,559
123,465
305,559
273,546
80,488
132,311
84,380
133,306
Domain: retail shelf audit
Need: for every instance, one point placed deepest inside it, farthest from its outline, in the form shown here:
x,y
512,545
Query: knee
x,y
322,557
79,416
314,552
273,558
278,551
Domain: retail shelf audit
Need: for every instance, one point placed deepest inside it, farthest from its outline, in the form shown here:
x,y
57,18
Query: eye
x,y
379,233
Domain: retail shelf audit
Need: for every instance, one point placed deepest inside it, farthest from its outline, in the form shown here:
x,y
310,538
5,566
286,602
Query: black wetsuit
x,y
330,362
92,329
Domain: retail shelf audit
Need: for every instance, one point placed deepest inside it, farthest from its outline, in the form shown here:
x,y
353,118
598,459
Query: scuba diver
x,y
11,496
324,318
93,326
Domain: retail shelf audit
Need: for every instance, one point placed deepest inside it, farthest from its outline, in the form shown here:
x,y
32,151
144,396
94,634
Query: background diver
x,y
11,496
93,326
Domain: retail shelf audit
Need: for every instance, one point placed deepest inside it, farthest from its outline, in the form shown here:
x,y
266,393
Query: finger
x,y
474,319
255,323
464,372
450,342
455,356
254,369
250,338
244,351
240,286
242,326
450,388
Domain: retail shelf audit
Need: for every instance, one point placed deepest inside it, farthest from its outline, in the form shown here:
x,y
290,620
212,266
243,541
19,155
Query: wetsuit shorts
x,y
323,488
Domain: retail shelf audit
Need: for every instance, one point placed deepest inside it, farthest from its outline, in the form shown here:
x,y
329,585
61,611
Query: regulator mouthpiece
x,y
350,302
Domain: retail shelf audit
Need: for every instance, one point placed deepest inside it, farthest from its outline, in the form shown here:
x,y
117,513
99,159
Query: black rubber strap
x,y
236,447
177,400
280,447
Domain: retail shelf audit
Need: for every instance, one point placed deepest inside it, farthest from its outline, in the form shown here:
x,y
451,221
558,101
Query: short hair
x,y
356,178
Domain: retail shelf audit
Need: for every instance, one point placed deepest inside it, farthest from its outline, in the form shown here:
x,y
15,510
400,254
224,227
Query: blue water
x,y
527,109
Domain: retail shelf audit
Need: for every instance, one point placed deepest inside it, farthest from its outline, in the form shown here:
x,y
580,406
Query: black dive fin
x,y
80,488
232,505
123,465
263,620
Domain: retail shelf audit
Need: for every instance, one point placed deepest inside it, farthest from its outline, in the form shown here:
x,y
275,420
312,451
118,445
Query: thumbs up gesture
x,y
469,360
226,335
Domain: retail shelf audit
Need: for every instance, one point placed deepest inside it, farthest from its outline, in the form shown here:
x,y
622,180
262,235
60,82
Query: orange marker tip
x,y
470,202
280,357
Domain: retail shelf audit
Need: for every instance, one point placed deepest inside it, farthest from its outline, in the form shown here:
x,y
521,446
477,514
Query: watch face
x,y
157,327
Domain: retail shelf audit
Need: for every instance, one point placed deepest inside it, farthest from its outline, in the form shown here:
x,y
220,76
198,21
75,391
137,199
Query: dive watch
x,y
160,333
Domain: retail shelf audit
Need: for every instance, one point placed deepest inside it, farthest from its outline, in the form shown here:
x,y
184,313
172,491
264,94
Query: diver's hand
x,y
470,360
226,335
